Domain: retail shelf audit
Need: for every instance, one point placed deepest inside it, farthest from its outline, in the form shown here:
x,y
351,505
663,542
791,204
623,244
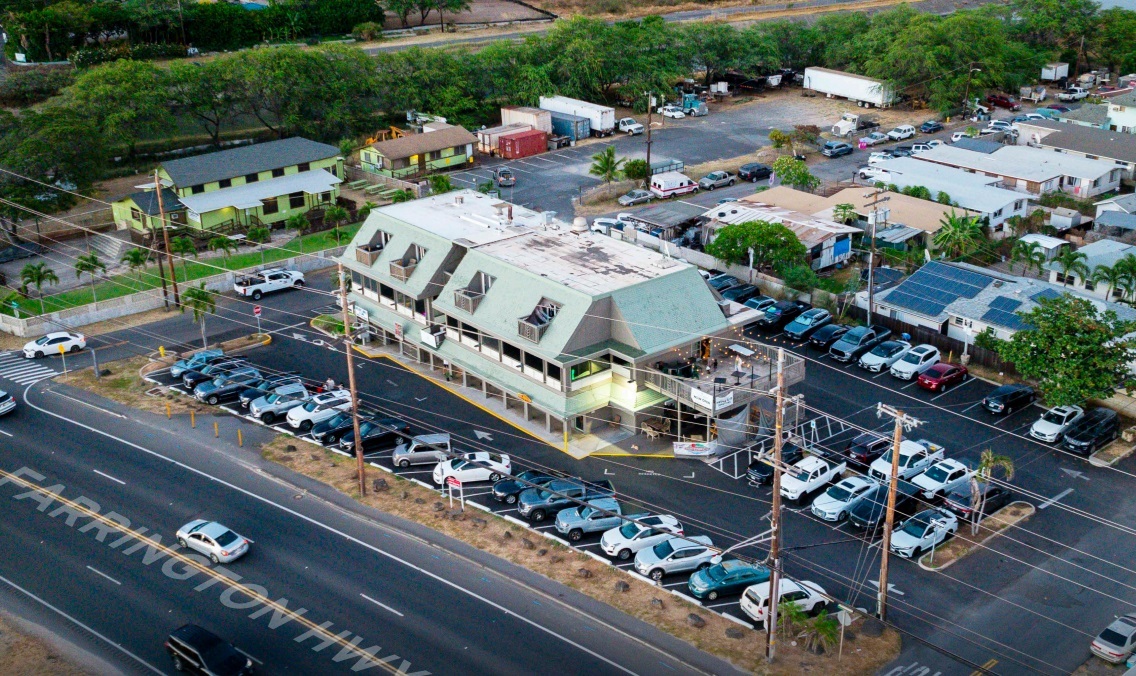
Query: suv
x,y
741,293
902,132
781,313
282,400
193,648
1097,428
1009,398
760,471
931,126
536,504
836,149
858,341
807,323
754,172
864,449
1003,101
221,367
424,449
915,362
678,554
267,386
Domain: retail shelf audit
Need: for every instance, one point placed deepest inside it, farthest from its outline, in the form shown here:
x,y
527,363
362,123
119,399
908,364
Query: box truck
x,y
536,118
1051,72
602,118
863,91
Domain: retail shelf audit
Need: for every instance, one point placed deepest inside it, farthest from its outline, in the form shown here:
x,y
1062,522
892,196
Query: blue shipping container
x,y
572,126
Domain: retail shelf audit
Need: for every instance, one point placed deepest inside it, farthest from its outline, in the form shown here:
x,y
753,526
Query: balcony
x,y
403,270
530,331
367,254
467,300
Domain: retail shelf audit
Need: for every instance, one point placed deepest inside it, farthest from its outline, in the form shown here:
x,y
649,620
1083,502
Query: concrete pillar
x,y
484,388
525,408
465,378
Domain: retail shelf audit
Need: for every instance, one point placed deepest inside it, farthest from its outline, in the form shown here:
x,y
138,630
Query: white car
x,y
870,173
882,356
1052,424
212,539
874,138
999,125
880,156
676,554
671,111
942,478
318,409
7,403
934,143
917,360
809,474
922,532
917,148
903,131
49,344
632,537
914,457
838,500
959,135
808,596
477,466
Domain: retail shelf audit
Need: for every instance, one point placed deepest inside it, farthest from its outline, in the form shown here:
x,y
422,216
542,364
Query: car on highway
x,y
931,127
1053,423
869,514
754,172
199,359
960,500
917,360
781,313
728,577
760,303
377,436
942,478
923,532
213,540
473,467
633,197
741,293
942,376
874,138
836,149
858,341
1095,430
424,449
676,554
283,399
537,504
198,650
841,498
1117,641
808,596
807,323
226,387
7,403
760,470
1003,101
670,111
827,335
632,537
716,179
191,379
268,386
884,355
54,343
864,449
901,133
320,407
507,490
1006,399
329,431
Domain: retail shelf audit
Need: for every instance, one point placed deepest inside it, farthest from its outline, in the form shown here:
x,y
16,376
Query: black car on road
x,y
1009,398
858,341
201,651
754,171
507,490
378,436
1094,431
760,472
869,514
825,336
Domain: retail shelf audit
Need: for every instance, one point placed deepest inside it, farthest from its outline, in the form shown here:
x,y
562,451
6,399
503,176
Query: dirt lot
x,y
29,656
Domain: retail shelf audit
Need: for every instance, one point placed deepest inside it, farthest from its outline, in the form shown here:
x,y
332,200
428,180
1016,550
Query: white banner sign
x,y
725,399
700,449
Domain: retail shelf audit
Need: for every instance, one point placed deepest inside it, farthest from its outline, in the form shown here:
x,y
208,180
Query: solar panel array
x,y
1002,312
935,286
1045,294
1005,303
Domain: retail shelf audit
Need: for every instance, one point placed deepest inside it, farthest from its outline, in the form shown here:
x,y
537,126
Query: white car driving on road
x,y
50,344
318,409
212,539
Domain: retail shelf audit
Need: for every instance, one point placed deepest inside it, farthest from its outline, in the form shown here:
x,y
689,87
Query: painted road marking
x,y
1055,498
7,434
99,572
382,605
985,668
104,474
248,656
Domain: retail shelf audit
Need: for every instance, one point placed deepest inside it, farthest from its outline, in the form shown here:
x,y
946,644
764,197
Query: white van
x,y
671,183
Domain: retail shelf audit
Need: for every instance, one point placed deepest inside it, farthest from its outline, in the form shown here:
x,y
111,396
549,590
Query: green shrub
x,y
368,30
23,87
92,56
635,170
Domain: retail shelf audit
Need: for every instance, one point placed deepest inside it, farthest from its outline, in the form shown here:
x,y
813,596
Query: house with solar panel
x,y
960,301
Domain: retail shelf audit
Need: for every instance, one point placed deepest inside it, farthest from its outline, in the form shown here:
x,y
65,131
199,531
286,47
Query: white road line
x,y
977,403
1055,498
382,605
99,572
248,656
7,434
31,368
719,605
104,474
909,384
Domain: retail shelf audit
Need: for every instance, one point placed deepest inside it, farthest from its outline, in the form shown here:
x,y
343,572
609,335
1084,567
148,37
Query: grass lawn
x,y
146,279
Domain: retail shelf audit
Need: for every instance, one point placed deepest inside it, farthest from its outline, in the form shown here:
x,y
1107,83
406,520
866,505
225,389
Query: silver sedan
x,y
212,539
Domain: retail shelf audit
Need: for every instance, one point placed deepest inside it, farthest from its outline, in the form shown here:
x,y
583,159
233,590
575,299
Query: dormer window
x,y
467,299
403,268
368,253
536,323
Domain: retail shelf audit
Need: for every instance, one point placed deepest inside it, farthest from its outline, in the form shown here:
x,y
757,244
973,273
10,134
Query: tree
x,y
844,213
183,247
790,617
368,207
299,223
453,7
959,235
38,274
136,259
337,216
794,173
821,633
779,139
204,91
126,100
201,301
1113,276
223,244
1023,252
424,8
798,277
440,183
91,265
605,165
636,170
400,8
1074,351
712,48
767,243
1072,263
988,463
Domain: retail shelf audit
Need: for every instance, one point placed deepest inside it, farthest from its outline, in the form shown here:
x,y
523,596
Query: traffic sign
x,y
256,310
453,481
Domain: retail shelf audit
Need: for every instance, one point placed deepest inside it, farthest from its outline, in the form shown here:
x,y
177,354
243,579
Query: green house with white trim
x,y
439,146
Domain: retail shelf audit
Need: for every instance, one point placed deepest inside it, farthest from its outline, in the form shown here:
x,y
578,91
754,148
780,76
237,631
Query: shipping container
x,y
863,91
522,144
602,118
536,118
574,127
487,139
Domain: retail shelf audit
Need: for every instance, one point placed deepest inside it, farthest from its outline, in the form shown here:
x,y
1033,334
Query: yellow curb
x,y
629,454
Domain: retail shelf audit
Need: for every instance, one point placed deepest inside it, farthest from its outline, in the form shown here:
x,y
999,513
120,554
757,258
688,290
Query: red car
x,y
941,376
1003,101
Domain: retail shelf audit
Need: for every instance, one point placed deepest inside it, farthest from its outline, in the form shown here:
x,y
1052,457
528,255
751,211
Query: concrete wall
x,y
123,306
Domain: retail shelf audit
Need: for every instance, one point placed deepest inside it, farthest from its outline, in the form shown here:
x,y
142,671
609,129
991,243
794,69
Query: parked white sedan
x,y
478,466
922,532
1052,424
884,355
838,500
942,478
212,539
318,409
672,111
632,537
51,343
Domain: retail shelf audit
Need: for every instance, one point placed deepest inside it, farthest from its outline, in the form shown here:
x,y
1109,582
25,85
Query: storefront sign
x,y
699,449
705,400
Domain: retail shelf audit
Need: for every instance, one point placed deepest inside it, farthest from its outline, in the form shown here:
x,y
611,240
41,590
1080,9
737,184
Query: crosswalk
x,y
16,368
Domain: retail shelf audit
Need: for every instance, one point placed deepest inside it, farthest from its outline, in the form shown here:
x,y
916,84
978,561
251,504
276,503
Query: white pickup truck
x,y
476,466
267,281
630,126
914,458
809,474
1073,94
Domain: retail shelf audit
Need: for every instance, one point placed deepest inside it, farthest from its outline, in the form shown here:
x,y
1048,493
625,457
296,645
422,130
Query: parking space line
x,y
909,384
977,403
248,656
719,605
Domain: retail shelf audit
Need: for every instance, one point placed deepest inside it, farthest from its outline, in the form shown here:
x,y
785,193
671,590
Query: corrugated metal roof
x,y
246,160
417,144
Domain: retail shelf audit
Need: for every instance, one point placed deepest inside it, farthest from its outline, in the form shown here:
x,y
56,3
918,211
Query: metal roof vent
x,y
579,225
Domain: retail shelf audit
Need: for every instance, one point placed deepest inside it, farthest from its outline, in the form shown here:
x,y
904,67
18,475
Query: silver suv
x,y
424,449
678,554
284,399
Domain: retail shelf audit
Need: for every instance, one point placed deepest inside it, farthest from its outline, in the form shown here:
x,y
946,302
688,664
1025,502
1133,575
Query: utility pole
x,y
876,201
902,421
166,238
775,525
162,220
347,349
650,111
966,95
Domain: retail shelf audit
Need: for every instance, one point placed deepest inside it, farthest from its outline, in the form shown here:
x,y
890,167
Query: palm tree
x,y
987,464
821,634
959,235
223,244
1037,261
90,264
1072,263
1114,276
844,213
1128,281
1023,252
299,223
365,210
201,301
259,235
336,216
136,259
183,247
37,275
605,165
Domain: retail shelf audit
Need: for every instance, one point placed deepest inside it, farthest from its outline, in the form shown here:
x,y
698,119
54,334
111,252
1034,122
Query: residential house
x,y
975,192
563,325
1104,252
1125,203
143,211
828,242
1050,246
1103,144
230,190
1032,170
1122,113
439,146
1089,115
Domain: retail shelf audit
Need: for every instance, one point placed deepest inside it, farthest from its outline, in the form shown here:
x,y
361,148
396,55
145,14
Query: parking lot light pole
x,y
347,349
775,516
902,421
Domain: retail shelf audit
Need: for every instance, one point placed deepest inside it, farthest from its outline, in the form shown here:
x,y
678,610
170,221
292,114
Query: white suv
x,y
318,409
916,361
870,173
632,536
903,131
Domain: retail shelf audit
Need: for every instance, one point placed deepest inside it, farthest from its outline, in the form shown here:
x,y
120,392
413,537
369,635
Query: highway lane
x,y
437,627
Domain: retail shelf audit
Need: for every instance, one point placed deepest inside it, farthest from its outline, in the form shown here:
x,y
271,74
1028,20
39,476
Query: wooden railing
x,y
529,331
467,300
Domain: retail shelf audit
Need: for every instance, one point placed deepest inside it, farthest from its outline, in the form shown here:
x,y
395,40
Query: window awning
x,y
251,195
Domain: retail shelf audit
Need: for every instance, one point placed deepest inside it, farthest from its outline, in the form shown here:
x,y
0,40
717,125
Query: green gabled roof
x,y
437,250
667,311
